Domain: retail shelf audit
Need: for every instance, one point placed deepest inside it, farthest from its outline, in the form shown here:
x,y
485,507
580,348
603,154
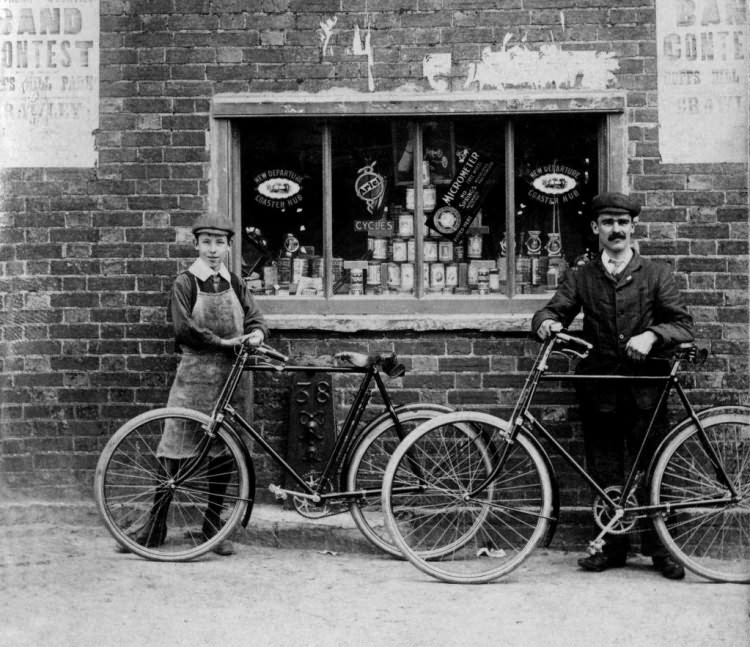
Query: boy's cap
x,y
611,202
213,223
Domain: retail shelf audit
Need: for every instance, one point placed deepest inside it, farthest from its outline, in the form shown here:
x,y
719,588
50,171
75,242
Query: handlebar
x,y
271,353
687,351
560,337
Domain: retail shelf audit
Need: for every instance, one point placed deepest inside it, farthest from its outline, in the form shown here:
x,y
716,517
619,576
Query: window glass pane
x,y
372,249
556,176
282,221
462,204
477,193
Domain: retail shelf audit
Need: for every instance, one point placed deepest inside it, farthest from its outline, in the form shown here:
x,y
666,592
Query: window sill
x,y
362,315
404,322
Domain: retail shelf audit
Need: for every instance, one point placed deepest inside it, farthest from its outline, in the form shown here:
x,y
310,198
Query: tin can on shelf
x,y
406,225
356,280
445,251
539,265
552,278
459,253
399,250
411,250
380,248
270,276
451,275
285,269
483,280
299,269
473,274
429,198
410,198
338,268
463,276
437,276
474,246
494,281
407,277
394,276
316,266
373,274
430,251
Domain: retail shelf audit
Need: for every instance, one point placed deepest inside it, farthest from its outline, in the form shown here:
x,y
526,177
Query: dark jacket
x,y
643,297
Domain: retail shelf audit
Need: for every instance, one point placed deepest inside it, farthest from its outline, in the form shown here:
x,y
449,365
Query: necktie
x,y
614,266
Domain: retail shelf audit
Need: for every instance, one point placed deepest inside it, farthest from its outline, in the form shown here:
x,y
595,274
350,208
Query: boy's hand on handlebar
x,y
547,327
253,339
640,346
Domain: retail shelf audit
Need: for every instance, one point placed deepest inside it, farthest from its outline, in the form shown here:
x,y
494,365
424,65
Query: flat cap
x,y
611,202
213,223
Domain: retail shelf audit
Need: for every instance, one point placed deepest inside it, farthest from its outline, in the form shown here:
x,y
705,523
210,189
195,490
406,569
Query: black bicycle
x,y
484,492
179,509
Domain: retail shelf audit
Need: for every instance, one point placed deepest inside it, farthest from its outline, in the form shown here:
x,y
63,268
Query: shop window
x,y
439,211
472,207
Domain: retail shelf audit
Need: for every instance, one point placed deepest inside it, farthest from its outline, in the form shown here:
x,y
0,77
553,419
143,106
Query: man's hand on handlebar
x,y
547,327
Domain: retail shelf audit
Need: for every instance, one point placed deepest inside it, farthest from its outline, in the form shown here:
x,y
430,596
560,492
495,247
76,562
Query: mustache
x,y
616,236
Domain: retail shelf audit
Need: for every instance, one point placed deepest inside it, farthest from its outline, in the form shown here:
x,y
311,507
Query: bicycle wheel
x,y
433,521
367,468
170,509
712,540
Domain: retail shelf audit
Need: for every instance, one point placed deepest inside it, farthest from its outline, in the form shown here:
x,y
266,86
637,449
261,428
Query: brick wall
x,y
87,256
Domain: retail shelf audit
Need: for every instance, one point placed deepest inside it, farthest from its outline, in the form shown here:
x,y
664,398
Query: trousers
x,y
611,441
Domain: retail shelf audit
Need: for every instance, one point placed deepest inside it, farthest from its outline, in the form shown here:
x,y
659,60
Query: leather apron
x,y
201,374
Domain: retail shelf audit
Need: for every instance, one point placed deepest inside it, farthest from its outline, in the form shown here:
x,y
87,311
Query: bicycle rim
x,y
170,509
712,540
366,471
430,517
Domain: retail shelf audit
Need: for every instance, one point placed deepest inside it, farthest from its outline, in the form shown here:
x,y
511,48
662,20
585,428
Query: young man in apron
x,y
213,312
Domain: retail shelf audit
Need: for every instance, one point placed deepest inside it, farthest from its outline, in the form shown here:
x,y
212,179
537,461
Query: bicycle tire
x,y
367,467
710,540
146,512
444,534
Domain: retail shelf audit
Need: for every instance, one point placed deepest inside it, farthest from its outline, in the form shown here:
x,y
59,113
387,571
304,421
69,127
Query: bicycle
x,y
698,480
193,503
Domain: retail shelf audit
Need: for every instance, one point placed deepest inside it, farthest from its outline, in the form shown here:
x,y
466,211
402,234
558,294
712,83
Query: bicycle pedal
x,y
278,492
596,546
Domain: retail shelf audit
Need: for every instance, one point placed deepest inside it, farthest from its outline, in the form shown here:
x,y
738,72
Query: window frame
x,y
418,311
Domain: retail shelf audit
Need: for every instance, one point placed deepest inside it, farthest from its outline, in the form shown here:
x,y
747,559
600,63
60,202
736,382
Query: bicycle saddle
x,y
386,361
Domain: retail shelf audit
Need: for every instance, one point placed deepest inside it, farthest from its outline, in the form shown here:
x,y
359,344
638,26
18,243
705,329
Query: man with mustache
x,y
632,308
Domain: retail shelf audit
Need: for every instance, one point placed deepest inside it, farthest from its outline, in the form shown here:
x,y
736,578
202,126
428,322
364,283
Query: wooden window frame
x,y
420,312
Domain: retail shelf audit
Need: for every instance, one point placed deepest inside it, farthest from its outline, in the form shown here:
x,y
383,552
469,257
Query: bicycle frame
x,y
523,420
343,443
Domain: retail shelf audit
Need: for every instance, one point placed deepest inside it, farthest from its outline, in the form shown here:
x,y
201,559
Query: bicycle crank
x,y
316,509
604,513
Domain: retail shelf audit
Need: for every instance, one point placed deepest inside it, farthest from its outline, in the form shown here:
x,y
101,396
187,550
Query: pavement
x,y
309,583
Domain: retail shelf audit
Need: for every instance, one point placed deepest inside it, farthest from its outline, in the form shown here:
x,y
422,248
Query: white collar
x,y
606,258
202,271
